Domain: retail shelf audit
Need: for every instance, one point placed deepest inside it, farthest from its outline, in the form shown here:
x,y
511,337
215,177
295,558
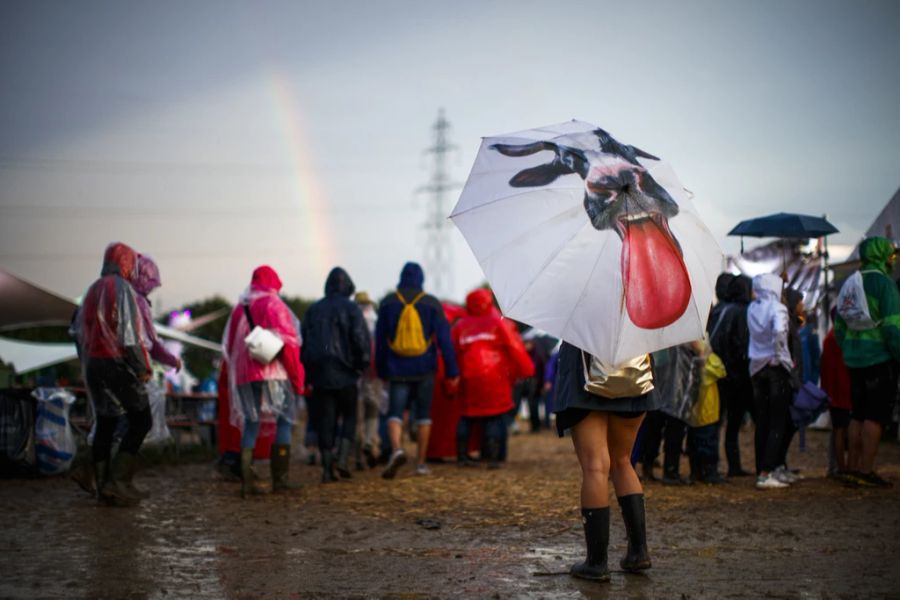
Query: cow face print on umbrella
x,y
620,194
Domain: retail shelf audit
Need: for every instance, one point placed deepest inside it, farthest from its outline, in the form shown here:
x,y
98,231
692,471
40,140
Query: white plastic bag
x,y
852,304
159,430
54,441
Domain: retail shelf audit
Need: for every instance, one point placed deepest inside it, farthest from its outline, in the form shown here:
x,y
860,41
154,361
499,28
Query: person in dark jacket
x,y
336,351
729,338
411,378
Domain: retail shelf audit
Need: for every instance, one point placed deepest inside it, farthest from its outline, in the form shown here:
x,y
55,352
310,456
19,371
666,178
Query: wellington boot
x,y
328,475
596,540
110,492
82,472
711,475
343,458
280,465
637,558
249,487
493,452
126,478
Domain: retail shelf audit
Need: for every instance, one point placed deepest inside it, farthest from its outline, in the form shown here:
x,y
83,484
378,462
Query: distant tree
x,y
298,305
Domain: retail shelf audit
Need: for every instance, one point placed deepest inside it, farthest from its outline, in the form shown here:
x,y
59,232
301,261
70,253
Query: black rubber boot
x,y
126,478
109,491
249,487
280,464
637,558
328,475
596,541
711,475
462,452
647,473
493,452
82,471
343,458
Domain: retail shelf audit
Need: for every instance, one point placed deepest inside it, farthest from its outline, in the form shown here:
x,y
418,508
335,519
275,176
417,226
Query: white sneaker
x,y
422,469
769,482
398,459
785,476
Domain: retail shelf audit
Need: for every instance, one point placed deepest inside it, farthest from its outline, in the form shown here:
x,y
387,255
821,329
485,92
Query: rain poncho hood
x,y
119,259
146,278
767,319
723,282
479,302
339,282
265,279
411,277
740,289
875,252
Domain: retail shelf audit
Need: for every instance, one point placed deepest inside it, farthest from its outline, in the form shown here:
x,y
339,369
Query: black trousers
x,y
772,397
114,389
333,413
736,394
660,427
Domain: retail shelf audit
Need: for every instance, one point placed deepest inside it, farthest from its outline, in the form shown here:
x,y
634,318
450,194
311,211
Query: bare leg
x,y
854,448
620,440
839,440
870,436
589,439
395,431
422,440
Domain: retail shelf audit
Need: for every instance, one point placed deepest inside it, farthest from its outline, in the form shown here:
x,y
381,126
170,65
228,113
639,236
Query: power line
x,y
438,249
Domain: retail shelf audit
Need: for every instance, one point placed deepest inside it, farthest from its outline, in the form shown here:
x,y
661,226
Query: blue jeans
x,y
251,431
414,395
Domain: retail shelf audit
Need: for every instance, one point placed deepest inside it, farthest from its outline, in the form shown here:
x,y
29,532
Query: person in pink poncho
x,y
144,281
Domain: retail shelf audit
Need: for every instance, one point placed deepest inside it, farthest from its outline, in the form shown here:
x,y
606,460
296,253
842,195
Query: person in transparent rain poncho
x,y
263,391
112,340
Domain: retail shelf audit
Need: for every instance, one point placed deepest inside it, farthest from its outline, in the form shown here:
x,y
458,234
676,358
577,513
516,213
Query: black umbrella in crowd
x,y
789,225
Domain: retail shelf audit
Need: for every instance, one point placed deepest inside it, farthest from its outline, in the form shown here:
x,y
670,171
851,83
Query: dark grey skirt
x,y
572,403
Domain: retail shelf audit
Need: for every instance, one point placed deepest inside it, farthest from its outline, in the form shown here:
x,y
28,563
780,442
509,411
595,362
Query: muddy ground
x,y
508,533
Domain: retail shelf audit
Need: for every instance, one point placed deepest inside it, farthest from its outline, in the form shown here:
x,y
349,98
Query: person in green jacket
x,y
872,357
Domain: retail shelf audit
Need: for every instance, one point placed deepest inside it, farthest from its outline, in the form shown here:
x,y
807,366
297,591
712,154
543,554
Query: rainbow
x,y
310,199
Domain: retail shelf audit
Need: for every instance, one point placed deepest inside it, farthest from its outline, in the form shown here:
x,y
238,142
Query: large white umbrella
x,y
589,239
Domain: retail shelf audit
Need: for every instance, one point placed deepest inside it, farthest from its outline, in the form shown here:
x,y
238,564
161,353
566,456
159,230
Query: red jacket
x,y
491,358
109,322
270,312
835,376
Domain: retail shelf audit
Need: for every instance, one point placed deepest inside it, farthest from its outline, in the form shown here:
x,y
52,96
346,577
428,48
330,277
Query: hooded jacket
x,y
490,357
109,324
767,319
270,312
882,343
145,280
727,326
336,342
434,326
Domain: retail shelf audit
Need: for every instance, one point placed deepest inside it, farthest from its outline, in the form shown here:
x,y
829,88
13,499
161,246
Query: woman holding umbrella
x,y
604,406
597,243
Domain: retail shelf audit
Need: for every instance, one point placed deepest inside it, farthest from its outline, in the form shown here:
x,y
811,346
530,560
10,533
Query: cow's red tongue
x,y
657,287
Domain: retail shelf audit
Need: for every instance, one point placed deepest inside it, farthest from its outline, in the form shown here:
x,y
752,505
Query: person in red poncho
x,y
261,392
491,358
836,383
113,346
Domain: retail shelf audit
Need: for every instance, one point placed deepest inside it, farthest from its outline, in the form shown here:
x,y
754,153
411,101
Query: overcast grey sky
x,y
216,136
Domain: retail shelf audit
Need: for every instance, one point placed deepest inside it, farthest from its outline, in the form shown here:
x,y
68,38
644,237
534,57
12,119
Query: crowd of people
x,y
455,377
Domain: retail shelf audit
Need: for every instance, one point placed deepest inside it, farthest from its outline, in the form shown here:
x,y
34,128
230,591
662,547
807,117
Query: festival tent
x,y
29,356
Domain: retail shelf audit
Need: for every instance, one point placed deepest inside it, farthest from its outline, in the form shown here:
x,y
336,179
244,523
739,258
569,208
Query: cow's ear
x,y
642,154
540,175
